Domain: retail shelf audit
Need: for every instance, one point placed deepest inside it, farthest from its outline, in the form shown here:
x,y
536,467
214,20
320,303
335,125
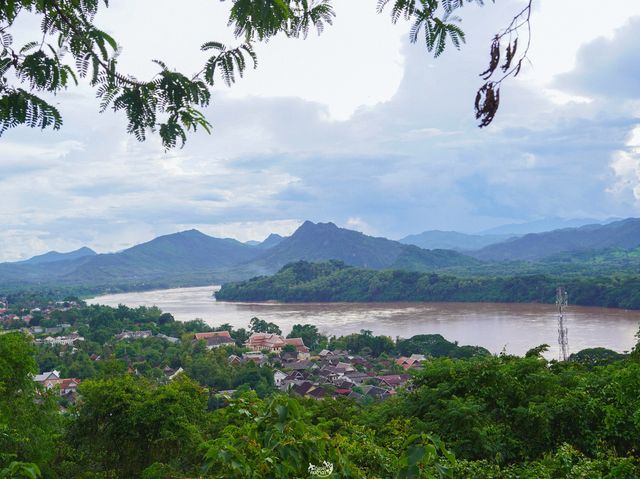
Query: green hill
x,y
334,281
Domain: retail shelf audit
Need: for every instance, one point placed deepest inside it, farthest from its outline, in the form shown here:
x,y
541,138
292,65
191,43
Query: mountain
x,y
272,240
623,234
186,252
544,225
453,240
326,241
180,258
53,256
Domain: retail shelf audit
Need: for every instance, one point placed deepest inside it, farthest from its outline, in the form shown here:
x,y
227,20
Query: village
x,y
327,374
76,342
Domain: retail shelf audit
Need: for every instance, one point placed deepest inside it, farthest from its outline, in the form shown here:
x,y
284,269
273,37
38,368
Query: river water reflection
x,y
496,326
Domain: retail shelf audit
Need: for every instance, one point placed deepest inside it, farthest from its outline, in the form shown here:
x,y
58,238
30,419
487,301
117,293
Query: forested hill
x,y
620,234
334,281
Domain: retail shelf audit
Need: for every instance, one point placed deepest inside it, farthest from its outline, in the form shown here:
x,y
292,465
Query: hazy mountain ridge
x,y
53,256
454,240
537,246
190,258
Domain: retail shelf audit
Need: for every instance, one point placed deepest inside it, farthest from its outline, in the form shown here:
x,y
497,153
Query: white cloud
x,y
405,156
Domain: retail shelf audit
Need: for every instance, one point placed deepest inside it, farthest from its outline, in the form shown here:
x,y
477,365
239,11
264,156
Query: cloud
x,y
408,161
608,67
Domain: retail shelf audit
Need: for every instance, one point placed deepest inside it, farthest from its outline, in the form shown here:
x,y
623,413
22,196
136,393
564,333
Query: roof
x,y
211,334
46,375
406,363
317,393
218,340
274,341
394,380
68,382
303,388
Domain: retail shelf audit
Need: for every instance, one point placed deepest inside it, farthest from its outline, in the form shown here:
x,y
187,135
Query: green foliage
x,y
125,425
279,438
507,409
257,325
503,417
17,469
309,334
596,356
29,423
336,282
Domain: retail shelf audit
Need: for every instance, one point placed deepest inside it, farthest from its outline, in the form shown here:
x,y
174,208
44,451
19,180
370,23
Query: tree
x,y
169,103
125,425
309,334
257,325
29,420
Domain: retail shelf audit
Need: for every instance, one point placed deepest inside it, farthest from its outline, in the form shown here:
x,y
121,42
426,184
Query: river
x,y
514,328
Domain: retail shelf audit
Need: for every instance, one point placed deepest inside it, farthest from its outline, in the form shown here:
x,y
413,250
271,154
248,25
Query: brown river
x,y
514,328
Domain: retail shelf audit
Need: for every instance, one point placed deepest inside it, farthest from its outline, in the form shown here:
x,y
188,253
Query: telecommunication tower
x,y
563,332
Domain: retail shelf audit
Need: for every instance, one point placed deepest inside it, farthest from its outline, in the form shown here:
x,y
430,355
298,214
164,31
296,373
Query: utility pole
x,y
563,332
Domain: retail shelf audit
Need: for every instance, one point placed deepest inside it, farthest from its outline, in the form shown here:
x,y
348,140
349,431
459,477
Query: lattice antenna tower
x,y
563,332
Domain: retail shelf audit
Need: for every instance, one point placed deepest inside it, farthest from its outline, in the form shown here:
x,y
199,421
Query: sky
x,y
357,126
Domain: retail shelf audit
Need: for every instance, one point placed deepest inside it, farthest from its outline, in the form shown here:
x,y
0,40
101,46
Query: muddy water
x,y
496,326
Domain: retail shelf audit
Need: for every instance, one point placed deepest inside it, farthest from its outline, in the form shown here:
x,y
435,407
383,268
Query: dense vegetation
x,y
491,417
334,281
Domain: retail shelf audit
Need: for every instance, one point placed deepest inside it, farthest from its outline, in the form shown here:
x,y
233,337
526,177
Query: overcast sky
x,y
357,127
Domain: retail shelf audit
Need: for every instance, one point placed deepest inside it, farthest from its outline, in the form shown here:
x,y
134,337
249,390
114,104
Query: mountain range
x,y
454,240
623,234
192,258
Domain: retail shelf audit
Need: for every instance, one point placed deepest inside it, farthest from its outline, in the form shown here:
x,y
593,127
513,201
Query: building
x,y
215,339
133,335
274,343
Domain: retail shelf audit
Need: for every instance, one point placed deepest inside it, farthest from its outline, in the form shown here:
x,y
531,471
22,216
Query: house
x,y
408,363
255,356
338,353
47,378
210,334
215,339
275,343
344,367
219,341
317,393
342,392
170,339
278,377
301,349
294,376
303,388
62,340
375,392
133,335
357,377
393,381
234,360
301,365
171,373
68,386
